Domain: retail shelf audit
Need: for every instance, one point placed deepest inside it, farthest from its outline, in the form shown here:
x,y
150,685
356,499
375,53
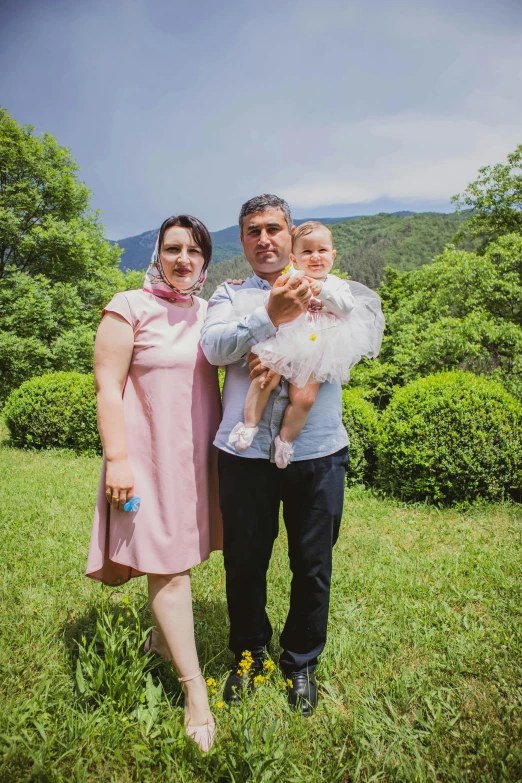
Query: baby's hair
x,y
306,228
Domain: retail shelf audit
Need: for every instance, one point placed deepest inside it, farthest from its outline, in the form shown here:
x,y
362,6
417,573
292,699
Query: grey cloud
x,y
170,107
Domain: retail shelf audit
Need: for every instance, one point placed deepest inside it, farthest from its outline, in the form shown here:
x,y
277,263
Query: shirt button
x,y
267,335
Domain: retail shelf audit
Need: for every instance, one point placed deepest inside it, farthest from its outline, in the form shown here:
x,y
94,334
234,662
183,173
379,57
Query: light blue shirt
x,y
228,342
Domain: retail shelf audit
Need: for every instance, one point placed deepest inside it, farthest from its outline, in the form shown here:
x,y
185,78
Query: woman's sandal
x,y
148,647
203,735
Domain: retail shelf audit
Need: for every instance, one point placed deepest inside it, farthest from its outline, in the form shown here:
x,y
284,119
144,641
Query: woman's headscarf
x,y
156,281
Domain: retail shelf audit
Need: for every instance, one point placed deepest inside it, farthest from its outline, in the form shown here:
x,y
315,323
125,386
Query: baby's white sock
x,y
283,452
241,437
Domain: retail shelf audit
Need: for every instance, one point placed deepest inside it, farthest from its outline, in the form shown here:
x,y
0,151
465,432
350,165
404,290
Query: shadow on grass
x,y
20,767
5,438
211,628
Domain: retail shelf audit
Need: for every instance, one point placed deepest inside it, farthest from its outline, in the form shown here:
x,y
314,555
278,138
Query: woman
x,y
158,412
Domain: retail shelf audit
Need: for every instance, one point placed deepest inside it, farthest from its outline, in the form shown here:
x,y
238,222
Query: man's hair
x,y
261,204
200,233
306,228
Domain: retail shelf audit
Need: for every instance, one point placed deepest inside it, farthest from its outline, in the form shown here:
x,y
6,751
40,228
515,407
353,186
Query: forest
x,y
366,245
137,250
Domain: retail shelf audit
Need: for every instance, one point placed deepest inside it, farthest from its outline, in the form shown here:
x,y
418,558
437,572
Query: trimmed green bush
x,y
360,418
54,410
451,437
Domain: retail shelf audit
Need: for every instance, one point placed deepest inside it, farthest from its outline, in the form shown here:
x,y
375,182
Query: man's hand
x,y
254,365
256,369
289,298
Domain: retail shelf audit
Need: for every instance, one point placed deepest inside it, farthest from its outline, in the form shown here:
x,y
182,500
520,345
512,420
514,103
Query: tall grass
x,y
421,678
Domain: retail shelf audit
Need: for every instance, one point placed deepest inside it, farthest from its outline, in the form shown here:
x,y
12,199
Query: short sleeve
x,y
120,305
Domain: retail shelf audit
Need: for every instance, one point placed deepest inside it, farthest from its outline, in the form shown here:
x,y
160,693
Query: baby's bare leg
x,y
257,397
296,413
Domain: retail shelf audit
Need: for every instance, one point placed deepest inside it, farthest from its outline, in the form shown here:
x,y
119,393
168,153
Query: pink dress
x,y
172,411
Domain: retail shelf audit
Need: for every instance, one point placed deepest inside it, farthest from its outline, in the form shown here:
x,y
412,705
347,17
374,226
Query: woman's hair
x,y
200,233
306,228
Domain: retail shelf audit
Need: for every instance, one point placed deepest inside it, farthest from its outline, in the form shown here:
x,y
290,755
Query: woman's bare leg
x,y
296,413
171,602
257,397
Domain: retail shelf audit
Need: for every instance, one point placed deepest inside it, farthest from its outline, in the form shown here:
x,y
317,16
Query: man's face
x,y
266,241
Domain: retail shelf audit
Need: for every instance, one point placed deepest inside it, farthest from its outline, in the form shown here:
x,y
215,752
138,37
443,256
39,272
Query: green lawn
x,y
421,678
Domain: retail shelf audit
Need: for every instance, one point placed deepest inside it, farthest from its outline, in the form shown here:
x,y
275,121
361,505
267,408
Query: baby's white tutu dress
x,y
319,345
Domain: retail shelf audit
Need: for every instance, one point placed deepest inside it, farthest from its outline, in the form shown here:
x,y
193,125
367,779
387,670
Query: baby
x,y
344,322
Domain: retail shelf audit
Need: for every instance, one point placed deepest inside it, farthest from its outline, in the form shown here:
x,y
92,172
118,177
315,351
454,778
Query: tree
x,y
47,326
463,311
495,199
56,269
46,226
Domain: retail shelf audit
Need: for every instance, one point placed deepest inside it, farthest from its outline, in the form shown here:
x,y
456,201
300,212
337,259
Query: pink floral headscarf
x,y
156,281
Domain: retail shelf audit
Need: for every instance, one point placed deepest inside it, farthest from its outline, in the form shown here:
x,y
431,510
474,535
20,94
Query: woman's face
x,y
181,257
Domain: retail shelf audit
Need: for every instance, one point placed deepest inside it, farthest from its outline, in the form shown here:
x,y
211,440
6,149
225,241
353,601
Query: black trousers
x,y
250,492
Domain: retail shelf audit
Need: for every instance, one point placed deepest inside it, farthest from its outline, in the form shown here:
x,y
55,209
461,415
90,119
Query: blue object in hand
x,y
133,504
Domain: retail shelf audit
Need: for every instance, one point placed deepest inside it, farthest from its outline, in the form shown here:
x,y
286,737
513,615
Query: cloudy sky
x,y
341,106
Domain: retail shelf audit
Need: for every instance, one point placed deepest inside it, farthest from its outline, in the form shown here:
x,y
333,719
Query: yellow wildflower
x,y
220,705
269,665
289,682
259,679
245,663
211,682
313,338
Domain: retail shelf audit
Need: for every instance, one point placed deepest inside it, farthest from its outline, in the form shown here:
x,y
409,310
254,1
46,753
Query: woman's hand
x,y
119,483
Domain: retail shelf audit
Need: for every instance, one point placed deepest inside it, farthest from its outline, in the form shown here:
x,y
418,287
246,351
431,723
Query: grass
x,y
421,678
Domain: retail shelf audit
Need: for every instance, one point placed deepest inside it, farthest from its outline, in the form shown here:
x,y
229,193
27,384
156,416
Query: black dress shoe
x,y
236,682
302,694
233,687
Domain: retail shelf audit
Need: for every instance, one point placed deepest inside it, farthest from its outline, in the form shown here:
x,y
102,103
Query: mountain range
x,y
365,245
137,250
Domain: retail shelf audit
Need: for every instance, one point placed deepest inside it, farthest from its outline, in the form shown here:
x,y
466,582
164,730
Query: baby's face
x,y
314,253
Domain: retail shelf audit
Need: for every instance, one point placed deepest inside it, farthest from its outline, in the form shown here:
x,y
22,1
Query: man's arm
x,y
224,341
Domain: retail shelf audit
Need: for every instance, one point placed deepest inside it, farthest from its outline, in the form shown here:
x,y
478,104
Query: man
x,y
252,487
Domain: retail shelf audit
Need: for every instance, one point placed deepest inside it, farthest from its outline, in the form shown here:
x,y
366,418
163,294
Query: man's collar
x,y
260,282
